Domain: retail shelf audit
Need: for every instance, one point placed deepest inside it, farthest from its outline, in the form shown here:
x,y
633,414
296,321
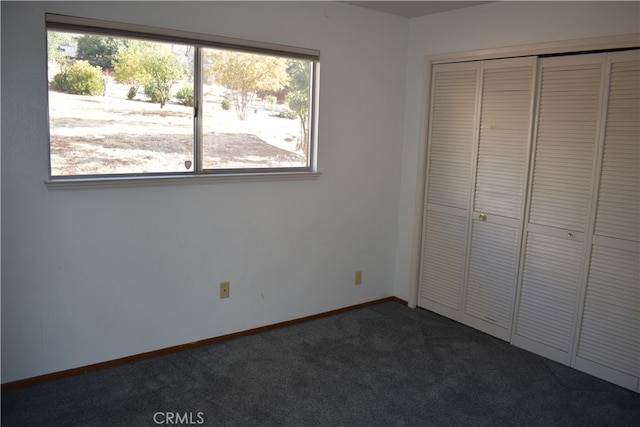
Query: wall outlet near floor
x,y
358,278
224,290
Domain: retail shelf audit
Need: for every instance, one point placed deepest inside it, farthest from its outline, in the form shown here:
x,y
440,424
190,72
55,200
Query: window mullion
x,y
197,109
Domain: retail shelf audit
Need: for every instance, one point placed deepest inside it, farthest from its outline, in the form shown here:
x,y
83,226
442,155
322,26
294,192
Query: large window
x,y
129,101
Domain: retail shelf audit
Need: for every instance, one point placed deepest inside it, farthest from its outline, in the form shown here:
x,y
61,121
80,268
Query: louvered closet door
x,y
500,184
449,167
566,138
608,343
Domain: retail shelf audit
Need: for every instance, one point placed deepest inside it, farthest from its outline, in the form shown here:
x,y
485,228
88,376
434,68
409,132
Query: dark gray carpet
x,y
384,365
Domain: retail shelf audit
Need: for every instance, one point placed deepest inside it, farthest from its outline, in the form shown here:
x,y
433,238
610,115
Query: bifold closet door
x,y
569,108
609,334
451,137
541,251
476,180
500,180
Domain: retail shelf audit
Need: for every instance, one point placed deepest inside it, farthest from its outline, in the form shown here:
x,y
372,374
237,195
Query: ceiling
x,y
413,9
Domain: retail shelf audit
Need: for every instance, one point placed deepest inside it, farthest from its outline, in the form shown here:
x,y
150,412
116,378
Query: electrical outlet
x,y
358,279
224,290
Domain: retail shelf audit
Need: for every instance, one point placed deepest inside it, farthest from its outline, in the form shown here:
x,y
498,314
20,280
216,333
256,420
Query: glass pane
x,y
255,111
119,106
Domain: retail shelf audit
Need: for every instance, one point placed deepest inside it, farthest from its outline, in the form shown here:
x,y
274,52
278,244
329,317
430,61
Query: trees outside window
x,y
298,98
123,106
245,75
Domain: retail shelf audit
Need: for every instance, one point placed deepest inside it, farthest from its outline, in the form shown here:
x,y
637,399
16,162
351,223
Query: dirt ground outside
x,y
113,135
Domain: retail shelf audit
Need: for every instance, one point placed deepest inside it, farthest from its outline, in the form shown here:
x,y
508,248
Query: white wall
x,y
493,25
96,274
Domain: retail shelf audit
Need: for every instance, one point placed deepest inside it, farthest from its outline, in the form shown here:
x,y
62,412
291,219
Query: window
x,y
129,101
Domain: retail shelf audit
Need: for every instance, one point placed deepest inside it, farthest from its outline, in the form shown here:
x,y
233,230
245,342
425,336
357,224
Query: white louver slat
x,y
566,135
610,333
492,273
504,138
451,135
548,290
444,243
618,211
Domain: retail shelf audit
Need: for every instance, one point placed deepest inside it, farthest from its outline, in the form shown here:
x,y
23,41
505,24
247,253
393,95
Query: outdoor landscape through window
x,y
123,106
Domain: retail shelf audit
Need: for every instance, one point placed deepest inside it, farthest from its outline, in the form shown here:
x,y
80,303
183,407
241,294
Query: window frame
x,y
199,41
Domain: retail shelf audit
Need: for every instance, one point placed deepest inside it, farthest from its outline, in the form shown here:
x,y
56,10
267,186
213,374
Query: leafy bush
x,y
152,91
133,91
81,78
287,114
226,105
185,96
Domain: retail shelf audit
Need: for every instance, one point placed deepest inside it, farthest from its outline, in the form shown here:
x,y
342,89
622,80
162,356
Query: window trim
x,y
67,23
125,181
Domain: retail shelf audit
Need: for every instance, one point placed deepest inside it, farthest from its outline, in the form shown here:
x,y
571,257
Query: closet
x,y
531,224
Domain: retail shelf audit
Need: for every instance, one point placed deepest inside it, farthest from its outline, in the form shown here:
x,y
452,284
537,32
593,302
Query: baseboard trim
x,y
183,347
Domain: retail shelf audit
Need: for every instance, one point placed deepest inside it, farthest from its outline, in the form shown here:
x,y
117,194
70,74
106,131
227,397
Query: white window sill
x,y
61,183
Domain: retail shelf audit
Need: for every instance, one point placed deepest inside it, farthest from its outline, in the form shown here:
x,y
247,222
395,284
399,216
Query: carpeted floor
x,y
384,365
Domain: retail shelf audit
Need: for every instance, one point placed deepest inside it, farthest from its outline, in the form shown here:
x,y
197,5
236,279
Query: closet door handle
x,y
482,217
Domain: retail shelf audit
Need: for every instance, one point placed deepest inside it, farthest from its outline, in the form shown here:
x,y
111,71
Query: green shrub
x,y
158,94
287,114
81,78
59,81
226,105
133,91
151,90
185,96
